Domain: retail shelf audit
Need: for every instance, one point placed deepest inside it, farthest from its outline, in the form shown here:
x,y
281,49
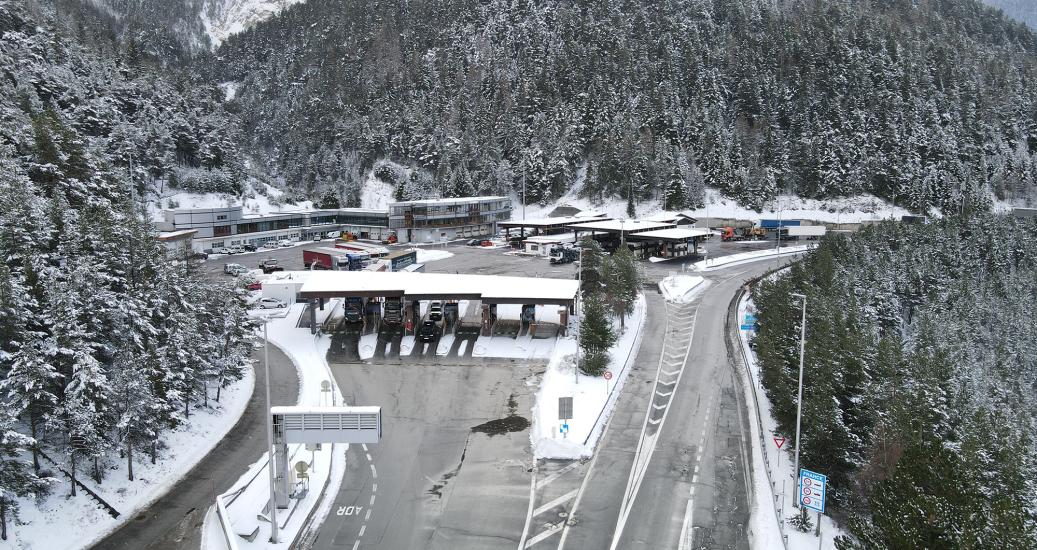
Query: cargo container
x,y
803,232
374,250
774,224
327,257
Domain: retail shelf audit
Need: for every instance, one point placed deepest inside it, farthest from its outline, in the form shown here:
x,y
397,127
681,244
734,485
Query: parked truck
x,y
809,232
562,255
393,314
338,259
744,234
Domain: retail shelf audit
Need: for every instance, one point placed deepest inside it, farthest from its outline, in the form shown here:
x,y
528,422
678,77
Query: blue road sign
x,y
748,327
750,318
812,490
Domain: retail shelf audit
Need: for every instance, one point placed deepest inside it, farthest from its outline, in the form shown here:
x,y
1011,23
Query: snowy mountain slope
x,y
223,18
1023,10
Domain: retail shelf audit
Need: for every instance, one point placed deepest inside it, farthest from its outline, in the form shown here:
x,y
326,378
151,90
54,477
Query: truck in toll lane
x,y
354,309
564,255
337,259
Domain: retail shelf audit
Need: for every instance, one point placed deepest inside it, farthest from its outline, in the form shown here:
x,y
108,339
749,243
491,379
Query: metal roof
x,y
551,222
626,226
490,289
673,234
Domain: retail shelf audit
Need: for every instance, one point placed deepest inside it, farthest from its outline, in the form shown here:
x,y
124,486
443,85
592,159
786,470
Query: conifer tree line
x,y
920,390
609,288
108,341
928,104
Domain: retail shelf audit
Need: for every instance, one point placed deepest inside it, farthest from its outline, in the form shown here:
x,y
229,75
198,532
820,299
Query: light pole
x,y
799,401
579,313
622,232
269,432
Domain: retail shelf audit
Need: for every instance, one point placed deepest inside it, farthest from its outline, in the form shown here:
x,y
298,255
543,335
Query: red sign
x,y
608,375
779,441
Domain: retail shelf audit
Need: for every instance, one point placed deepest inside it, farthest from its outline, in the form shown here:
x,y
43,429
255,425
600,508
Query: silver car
x,y
271,303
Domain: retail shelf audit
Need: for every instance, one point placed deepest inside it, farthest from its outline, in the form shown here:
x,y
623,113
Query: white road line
x,y
367,517
356,544
558,474
371,502
544,534
687,531
374,487
669,373
659,407
362,529
529,510
364,446
654,421
564,498
374,471
369,457
664,394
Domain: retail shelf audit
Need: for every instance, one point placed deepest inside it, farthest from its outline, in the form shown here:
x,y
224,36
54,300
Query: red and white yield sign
x,y
608,375
779,441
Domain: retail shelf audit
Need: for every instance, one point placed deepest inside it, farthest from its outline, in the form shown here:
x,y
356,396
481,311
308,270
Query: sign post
x,y
565,412
812,487
607,376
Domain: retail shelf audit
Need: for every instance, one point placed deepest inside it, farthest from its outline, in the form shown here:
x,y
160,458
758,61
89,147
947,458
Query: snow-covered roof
x,y
488,288
549,239
672,216
457,200
300,409
630,226
550,222
176,235
675,234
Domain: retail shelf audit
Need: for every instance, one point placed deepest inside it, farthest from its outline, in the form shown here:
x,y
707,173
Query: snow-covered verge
x,y
679,289
245,500
774,488
594,398
844,210
68,523
751,256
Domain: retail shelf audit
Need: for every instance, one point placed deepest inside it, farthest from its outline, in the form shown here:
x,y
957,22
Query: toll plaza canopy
x,y
616,226
546,225
673,235
491,289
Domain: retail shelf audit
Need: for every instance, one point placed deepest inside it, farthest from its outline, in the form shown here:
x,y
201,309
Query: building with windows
x,y
413,221
447,219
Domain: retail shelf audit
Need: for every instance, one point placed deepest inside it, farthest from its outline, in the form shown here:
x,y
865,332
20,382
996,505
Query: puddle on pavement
x,y
508,424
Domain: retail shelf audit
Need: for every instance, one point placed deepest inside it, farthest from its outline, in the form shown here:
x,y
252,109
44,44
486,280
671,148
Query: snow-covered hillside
x,y
223,18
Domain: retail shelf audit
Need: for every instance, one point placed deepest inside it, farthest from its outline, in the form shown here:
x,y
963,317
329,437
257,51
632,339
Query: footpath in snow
x,y
751,256
240,510
594,397
69,523
774,488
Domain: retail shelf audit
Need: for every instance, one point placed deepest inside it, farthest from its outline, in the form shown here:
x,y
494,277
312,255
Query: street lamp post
x,y
579,314
269,432
799,400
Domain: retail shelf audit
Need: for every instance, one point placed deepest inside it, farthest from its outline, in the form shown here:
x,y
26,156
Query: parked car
x,y
435,311
285,243
316,237
220,250
254,285
236,249
270,303
234,269
474,242
249,247
198,256
486,242
269,266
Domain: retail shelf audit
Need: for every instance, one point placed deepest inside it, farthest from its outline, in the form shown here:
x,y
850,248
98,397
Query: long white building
x,y
411,221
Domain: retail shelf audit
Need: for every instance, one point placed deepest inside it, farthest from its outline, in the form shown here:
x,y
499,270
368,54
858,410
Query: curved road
x,y
175,520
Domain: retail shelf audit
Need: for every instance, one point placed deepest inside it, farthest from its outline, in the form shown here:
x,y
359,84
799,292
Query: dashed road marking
x,y
544,534
564,498
568,468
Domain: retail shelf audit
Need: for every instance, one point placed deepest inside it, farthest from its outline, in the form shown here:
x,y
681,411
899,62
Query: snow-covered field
x,y
426,256
259,204
375,194
67,523
593,397
774,482
845,210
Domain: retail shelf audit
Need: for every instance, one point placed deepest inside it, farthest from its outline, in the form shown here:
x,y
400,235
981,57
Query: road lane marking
x,y
687,531
529,510
564,498
374,471
669,373
369,457
356,544
558,474
367,516
544,534
371,502
374,487
664,394
363,528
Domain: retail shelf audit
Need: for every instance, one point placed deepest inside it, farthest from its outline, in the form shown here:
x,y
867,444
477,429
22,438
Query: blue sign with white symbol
x,y
748,327
750,318
812,490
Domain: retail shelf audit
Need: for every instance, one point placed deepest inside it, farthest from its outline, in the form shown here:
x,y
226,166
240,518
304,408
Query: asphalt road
x,y
175,520
452,469
670,469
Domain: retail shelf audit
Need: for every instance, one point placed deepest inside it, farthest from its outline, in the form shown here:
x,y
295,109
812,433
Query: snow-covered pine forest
x,y
920,385
927,104
107,341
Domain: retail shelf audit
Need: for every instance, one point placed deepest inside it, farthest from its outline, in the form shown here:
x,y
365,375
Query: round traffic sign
x,y
608,375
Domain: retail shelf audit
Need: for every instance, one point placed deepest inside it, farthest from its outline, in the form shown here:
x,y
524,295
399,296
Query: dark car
x,y
427,332
474,242
249,247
